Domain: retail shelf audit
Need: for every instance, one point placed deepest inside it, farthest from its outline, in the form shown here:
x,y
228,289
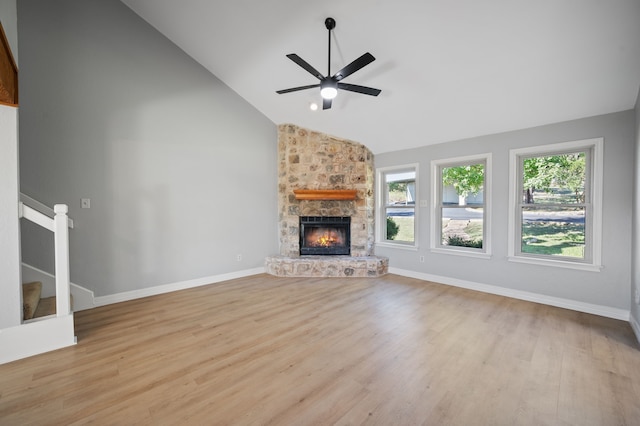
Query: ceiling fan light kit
x,y
329,89
330,84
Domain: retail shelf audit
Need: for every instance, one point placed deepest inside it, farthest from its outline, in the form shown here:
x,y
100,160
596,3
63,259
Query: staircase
x,y
56,221
22,337
33,305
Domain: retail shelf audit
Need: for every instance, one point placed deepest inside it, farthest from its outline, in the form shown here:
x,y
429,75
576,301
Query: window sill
x,y
465,253
556,263
401,246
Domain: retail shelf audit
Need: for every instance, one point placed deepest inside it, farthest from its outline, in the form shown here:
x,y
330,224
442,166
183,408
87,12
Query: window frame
x,y
436,245
381,207
593,204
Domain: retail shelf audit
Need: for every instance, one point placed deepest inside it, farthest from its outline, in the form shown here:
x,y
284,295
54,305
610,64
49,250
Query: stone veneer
x,y
327,266
313,160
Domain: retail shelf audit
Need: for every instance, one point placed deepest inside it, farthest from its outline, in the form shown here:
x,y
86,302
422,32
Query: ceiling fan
x,y
330,84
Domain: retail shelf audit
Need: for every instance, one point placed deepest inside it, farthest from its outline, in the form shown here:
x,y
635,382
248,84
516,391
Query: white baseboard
x,y
85,299
604,311
635,326
82,298
167,288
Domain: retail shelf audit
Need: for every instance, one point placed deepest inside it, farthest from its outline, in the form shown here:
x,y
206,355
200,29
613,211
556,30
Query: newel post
x,y
61,248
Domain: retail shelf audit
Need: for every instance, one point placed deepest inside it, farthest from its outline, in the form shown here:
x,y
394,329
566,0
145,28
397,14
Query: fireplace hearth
x,y
325,235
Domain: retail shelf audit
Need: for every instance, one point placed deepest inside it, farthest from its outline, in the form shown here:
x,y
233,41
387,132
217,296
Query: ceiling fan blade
x,y
295,89
326,103
354,66
359,89
311,70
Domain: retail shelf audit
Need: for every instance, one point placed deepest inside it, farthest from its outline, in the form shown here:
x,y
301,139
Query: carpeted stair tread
x,y
47,306
30,298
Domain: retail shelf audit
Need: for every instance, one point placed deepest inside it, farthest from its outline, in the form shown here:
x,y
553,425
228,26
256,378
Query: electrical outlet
x,y
85,203
238,257
421,259
637,296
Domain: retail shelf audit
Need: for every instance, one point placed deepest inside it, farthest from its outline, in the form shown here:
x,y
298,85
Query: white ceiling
x,y
448,69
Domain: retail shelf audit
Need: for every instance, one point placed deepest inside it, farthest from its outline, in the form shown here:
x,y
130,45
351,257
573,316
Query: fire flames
x,y
324,239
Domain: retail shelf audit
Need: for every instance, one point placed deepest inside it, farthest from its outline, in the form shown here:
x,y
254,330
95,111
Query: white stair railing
x,y
61,249
59,225
42,208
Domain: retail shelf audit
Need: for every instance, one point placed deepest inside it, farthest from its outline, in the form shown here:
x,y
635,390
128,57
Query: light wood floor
x,y
316,351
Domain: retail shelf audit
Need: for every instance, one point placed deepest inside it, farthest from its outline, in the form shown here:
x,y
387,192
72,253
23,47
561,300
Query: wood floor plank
x,y
321,351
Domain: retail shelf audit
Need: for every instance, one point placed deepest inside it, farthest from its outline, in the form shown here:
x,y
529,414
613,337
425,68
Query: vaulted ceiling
x,y
447,69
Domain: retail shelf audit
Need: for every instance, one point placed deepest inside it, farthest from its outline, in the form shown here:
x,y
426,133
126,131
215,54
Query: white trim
x,y
597,188
40,207
558,263
398,245
82,297
436,214
35,216
514,192
596,185
168,288
380,209
61,259
461,251
589,308
25,340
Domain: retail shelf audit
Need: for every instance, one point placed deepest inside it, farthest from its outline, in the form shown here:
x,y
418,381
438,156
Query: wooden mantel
x,y
325,194
8,73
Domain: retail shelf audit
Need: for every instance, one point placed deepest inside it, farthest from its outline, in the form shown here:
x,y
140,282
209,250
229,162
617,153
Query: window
x,y
460,205
397,192
556,203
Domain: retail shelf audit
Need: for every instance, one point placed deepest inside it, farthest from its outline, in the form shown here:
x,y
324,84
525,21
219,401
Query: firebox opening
x,y
325,235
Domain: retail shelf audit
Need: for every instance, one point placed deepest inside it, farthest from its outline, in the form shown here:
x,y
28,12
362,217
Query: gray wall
x,y
174,162
610,287
635,262
9,19
10,295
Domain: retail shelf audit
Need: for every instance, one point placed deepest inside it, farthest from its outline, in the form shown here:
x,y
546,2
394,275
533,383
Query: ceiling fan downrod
x,y
330,23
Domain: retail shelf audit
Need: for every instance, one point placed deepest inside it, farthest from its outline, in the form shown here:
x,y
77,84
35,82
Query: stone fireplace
x,y
323,176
